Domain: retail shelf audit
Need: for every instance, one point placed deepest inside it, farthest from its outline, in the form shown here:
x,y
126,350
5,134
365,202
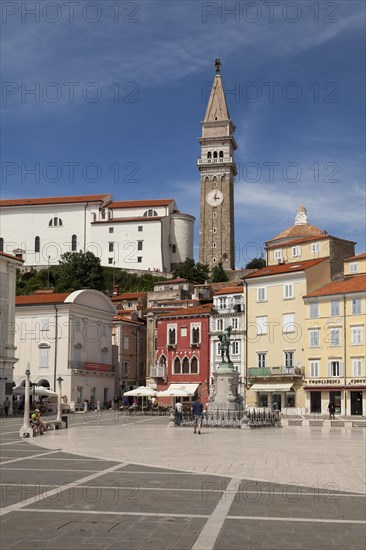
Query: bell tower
x,y
217,168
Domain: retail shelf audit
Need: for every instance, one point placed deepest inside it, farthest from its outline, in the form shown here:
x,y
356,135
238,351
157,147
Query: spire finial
x,y
217,66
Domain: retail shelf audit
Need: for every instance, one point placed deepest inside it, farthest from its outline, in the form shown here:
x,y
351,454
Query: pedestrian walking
x,y
6,406
331,409
178,413
197,410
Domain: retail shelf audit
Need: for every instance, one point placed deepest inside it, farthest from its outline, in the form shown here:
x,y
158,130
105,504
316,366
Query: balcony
x,y
158,372
88,366
264,372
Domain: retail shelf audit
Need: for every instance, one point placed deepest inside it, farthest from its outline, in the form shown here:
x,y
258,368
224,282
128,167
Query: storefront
x,y
274,396
356,396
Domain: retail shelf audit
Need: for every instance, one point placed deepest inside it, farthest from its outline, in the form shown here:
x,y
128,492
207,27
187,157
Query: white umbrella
x,y
39,390
142,391
173,393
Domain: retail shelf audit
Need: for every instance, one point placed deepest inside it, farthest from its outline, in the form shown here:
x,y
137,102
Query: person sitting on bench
x,y
37,423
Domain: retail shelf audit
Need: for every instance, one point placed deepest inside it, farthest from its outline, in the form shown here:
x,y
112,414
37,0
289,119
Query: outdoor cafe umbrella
x,y
142,391
38,390
173,393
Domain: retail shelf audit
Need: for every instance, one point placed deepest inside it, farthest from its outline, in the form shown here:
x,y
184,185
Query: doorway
x,y
356,403
315,402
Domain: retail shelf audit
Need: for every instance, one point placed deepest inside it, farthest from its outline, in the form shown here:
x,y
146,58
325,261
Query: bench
x,y
316,423
52,424
359,424
294,422
337,423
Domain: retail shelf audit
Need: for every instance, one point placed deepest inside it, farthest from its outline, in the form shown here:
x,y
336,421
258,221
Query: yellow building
x,y
335,318
275,321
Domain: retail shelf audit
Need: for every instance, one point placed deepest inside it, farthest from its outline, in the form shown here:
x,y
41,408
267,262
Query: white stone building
x,y
67,335
228,310
8,265
144,235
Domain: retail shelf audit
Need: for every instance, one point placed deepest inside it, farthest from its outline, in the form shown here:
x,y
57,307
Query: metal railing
x,y
260,372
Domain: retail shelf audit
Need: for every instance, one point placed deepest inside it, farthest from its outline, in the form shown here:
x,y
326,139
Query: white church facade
x,y
143,235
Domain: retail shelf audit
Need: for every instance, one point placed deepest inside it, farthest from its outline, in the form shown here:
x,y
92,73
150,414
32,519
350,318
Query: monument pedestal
x,y
225,394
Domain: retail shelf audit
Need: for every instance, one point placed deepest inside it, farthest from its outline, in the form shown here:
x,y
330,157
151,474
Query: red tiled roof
x,y
128,320
147,203
55,200
298,241
299,230
229,290
285,268
189,311
349,285
41,299
11,257
128,296
358,257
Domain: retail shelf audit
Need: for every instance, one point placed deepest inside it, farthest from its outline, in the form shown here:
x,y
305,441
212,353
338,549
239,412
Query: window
x,y
221,154
261,359
214,183
110,260
314,309
209,155
314,369
219,324
177,366
150,213
110,247
55,222
289,359
43,357
356,306
103,214
314,337
126,342
214,230
139,245
73,243
214,245
194,365
315,248
296,251
334,308
261,325
140,228
111,230
335,336
235,323
353,267
1,245
174,248
36,244
45,325
357,335
183,331
261,294
172,335
214,214
357,366
235,347
335,368
126,367
215,155
195,333
139,259
288,291
162,361
185,365
288,322
222,303
278,254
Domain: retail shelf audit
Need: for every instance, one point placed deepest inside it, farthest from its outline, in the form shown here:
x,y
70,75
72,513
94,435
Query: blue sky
x,y
121,90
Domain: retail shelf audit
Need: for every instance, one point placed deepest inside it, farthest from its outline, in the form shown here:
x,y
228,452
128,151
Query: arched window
x,y
44,383
194,365
1,245
215,155
150,213
174,248
172,339
73,243
177,369
185,365
162,361
36,244
221,154
55,222
209,155
214,182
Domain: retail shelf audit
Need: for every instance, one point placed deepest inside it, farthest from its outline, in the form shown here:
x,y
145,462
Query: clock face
x,y
214,197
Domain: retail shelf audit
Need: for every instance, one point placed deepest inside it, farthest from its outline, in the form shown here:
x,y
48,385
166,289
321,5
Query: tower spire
x,y
217,106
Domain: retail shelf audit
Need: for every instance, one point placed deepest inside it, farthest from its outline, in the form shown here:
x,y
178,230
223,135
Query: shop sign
x,y
322,381
356,382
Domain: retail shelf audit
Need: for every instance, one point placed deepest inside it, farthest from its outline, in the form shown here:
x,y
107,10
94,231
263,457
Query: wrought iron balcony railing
x,y
158,372
262,372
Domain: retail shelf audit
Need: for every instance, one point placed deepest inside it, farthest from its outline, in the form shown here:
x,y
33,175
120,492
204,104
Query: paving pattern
x,y
56,499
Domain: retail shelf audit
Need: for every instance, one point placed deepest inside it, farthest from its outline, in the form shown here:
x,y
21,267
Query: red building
x,y
183,350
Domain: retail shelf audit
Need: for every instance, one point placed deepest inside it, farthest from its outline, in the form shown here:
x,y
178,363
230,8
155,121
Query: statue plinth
x,y
224,394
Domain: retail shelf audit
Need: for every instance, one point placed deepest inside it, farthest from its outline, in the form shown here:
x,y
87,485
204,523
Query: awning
x,y
189,389
271,387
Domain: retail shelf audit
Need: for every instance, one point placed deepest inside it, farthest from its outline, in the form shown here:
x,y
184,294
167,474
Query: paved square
x,y
135,483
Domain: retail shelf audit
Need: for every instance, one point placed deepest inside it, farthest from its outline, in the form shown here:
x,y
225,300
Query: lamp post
x,y
59,380
26,430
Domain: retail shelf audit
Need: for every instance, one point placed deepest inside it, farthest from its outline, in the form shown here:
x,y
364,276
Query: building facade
x,y
217,171
67,335
129,339
149,235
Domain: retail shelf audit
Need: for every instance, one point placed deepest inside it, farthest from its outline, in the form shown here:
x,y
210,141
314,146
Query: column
x,y
269,397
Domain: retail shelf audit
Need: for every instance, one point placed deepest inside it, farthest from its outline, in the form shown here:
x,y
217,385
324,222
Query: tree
x,y
218,274
196,273
256,263
78,270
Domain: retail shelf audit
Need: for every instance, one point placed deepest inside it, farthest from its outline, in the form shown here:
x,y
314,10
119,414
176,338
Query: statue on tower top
x,y
217,66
